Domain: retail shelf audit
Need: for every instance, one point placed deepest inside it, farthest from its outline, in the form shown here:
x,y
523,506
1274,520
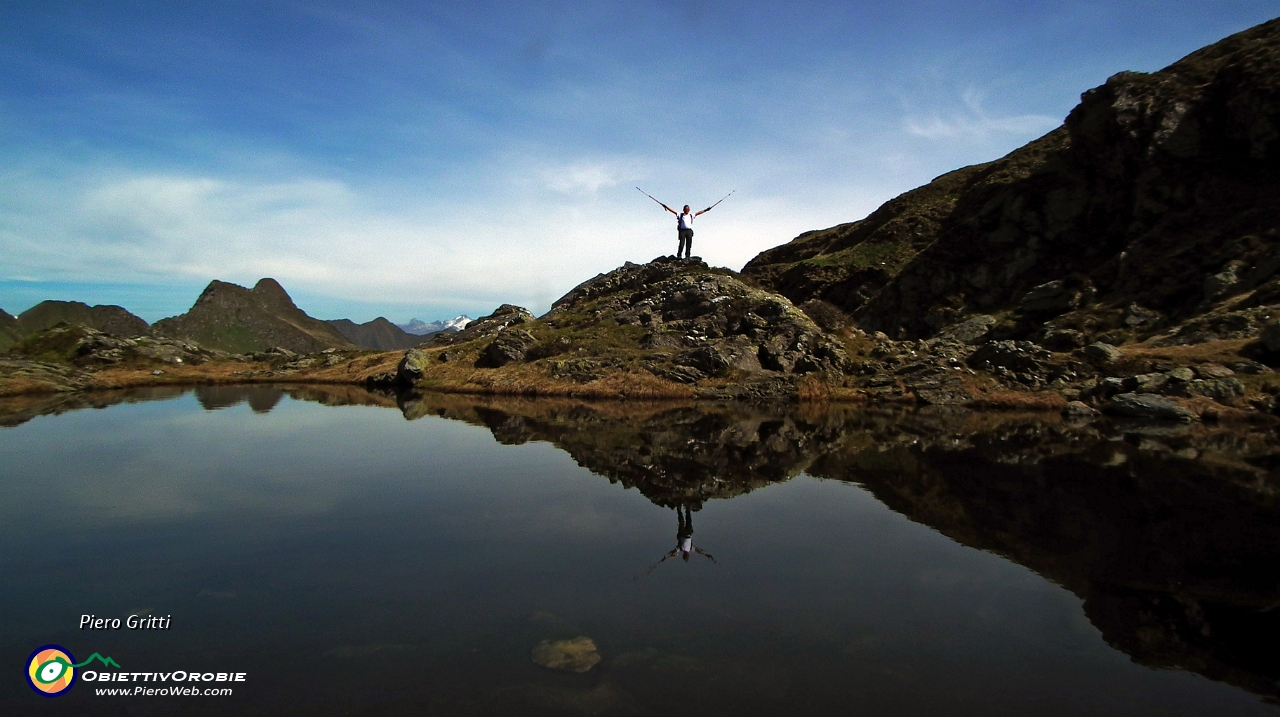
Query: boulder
x,y
411,366
1182,373
969,331
1149,406
576,655
1211,371
1219,389
509,347
1102,353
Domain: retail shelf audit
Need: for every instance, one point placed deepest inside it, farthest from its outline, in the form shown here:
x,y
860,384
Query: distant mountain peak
x,y
422,328
235,319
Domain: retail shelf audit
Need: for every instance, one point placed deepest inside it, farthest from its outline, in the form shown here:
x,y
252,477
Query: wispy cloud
x,y
974,124
579,179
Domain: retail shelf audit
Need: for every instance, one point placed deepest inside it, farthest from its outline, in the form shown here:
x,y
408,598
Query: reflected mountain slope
x,y
1169,534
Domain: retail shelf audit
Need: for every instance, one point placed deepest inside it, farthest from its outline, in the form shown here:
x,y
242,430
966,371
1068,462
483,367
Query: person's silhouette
x,y
684,539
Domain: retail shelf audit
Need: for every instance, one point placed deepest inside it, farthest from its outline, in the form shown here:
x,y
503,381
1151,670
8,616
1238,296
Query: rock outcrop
x,y
707,322
239,320
85,347
483,327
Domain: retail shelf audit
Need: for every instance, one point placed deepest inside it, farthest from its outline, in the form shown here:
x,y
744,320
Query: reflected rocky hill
x,y
675,454
1169,533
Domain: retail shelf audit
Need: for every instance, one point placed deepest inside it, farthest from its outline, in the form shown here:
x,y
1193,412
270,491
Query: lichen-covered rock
x,y
412,366
711,321
510,346
1219,389
969,331
1102,353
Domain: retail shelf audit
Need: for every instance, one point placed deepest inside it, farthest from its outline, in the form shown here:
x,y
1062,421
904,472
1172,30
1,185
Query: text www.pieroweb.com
x,y
172,690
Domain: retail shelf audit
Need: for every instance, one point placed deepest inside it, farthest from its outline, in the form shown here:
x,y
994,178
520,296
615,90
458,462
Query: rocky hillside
x,y
106,318
1151,215
661,327
232,318
379,334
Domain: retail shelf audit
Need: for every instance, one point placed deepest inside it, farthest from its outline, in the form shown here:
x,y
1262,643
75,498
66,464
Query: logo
x,y
52,670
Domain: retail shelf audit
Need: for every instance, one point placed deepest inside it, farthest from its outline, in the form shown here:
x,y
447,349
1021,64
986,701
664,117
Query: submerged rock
x,y
576,655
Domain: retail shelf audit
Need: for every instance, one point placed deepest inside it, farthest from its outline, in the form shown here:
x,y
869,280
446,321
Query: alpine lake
x,y
358,553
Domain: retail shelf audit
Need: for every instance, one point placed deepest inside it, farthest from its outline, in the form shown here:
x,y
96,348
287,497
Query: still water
x,y
359,554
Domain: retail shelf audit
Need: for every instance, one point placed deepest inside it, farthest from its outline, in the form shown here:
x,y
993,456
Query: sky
x,y
419,159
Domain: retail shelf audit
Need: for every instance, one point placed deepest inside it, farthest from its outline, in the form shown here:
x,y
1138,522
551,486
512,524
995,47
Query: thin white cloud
x,y
519,241
581,179
974,124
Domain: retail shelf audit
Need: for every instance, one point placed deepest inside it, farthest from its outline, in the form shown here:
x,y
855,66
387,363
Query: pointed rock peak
x,y
271,289
218,287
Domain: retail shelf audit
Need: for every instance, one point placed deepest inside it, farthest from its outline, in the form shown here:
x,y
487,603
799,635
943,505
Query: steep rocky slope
x,y
1152,214
379,334
239,320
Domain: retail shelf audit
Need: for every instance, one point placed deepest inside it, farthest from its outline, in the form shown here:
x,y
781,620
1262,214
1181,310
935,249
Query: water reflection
x,y
1169,534
684,540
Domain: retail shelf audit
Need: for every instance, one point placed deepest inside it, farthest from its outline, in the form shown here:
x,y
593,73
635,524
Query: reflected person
x,y
684,536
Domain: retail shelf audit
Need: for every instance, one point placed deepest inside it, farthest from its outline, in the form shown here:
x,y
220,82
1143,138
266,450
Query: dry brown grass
x,y
26,386
1220,352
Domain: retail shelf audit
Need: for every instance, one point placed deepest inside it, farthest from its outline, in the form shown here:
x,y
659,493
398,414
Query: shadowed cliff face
x,y
1169,534
1158,190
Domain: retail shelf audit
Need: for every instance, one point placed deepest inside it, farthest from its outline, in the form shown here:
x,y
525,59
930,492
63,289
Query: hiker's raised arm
x,y
671,210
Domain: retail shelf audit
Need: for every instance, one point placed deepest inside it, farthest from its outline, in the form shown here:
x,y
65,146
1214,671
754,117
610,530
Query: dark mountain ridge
x,y
106,318
379,334
239,320
1155,203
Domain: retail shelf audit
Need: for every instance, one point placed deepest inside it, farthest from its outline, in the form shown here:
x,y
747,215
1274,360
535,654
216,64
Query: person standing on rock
x,y
684,223
684,229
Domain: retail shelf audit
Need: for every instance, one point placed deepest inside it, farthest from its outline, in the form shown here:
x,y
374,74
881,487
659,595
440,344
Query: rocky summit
x,y
1151,215
677,322
239,320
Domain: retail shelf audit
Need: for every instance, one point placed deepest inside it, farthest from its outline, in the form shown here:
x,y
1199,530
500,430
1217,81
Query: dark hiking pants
x,y
686,243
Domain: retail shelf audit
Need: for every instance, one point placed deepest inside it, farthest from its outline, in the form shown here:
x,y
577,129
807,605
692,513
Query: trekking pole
x,y
653,198
713,206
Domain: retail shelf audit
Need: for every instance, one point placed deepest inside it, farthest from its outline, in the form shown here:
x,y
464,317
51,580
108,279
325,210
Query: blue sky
x,y
420,159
